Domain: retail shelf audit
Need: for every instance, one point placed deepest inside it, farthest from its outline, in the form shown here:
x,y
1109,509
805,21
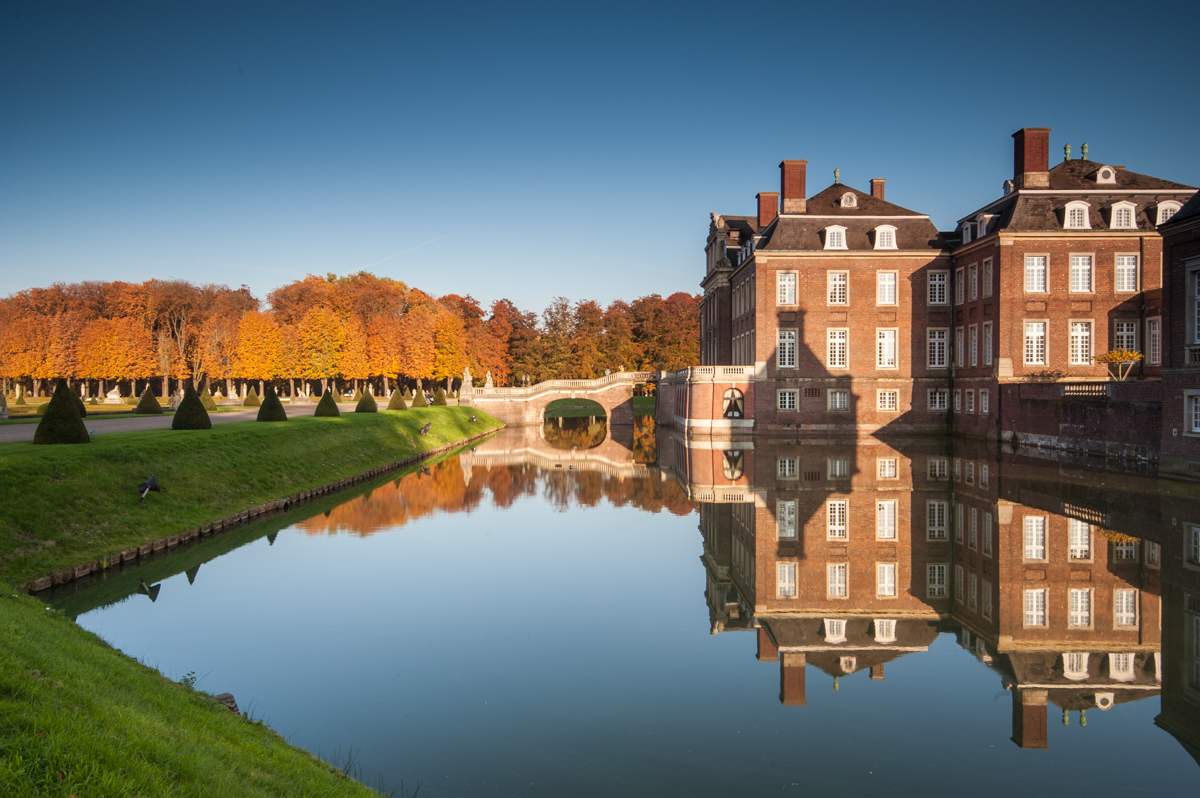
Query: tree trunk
x,y
260,389
324,385
166,387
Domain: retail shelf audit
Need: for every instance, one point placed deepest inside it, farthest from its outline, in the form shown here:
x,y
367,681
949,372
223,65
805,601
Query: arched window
x,y
1166,210
734,404
1076,216
733,465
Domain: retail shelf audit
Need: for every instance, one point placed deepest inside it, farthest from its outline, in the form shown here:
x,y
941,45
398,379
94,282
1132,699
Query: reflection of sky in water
x,y
532,651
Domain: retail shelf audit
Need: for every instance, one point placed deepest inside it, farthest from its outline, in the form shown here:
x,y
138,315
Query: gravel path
x,y
98,425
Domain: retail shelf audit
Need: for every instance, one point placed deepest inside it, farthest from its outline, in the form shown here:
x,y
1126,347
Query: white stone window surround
x,y
885,579
887,400
960,285
786,347
1125,608
837,519
1123,216
938,398
937,347
937,289
1077,216
849,200
1126,272
837,287
936,512
968,228
1079,606
787,399
1106,175
837,354
1035,607
786,580
1082,273
1035,538
1166,209
1082,341
1037,272
1036,341
838,399
835,237
835,630
987,343
983,408
987,277
1154,341
885,630
885,237
887,348
887,288
935,580
1075,665
785,519
837,581
785,288
1120,667
1191,413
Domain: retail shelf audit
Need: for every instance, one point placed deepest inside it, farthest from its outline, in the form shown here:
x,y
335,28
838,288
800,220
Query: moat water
x,y
657,618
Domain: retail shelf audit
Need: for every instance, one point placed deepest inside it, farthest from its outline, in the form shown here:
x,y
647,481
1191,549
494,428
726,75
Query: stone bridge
x,y
613,457
521,406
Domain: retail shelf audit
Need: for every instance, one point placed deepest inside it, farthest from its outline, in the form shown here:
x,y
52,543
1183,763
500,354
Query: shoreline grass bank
x,y
76,506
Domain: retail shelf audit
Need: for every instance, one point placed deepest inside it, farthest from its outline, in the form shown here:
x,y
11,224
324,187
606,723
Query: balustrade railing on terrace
x,y
705,373
567,385
1085,389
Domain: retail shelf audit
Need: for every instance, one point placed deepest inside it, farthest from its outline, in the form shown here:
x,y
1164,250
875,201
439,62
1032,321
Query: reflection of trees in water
x,y
574,433
446,489
645,444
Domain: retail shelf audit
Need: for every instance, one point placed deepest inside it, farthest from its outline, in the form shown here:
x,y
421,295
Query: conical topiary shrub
x,y
439,397
61,422
78,402
251,399
358,394
366,404
191,413
397,401
148,406
20,395
272,408
206,399
327,406
419,399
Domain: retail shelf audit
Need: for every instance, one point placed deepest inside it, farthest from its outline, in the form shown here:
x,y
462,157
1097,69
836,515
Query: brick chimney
x,y
791,185
1031,157
791,680
768,207
877,670
767,652
877,187
1029,718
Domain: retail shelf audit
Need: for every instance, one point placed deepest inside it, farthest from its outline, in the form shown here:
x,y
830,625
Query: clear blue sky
x,y
539,150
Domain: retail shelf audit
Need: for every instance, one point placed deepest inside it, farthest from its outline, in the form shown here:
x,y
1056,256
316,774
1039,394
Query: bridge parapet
x,y
527,405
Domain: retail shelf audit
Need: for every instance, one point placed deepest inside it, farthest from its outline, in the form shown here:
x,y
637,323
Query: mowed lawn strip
x,y
80,718
66,505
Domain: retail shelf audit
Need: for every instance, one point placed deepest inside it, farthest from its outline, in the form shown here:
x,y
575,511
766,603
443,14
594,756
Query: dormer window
x,y
1166,210
885,237
849,200
1009,187
1075,666
1123,215
1076,216
835,630
968,228
885,631
835,237
981,225
1106,176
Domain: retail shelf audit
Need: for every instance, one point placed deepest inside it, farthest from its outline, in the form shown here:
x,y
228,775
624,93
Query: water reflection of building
x,y
1180,714
847,557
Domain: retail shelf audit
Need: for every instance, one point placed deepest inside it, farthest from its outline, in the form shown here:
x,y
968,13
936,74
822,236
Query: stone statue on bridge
x,y
488,382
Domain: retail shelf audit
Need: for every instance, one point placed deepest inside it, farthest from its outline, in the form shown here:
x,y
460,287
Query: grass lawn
x,y
67,505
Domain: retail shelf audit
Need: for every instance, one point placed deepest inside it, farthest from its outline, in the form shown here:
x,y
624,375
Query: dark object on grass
x,y
251,399
366,404
147,486
439,397
272,408
148,406
61,421
472,419
191,413
327,406
425,429
397,401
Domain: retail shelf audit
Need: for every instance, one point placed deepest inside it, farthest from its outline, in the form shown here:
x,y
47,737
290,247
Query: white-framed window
x,y
885,349
1153,554
885,520
967,229
939,469
837,467
835,237
1120,667
987,343
886,467
1035,607
970,401
987,277
983,402
935,520
1081,343
959,348
939,398
973,529
837,284
1035,343
1075,665
1079,540
959,287
972,590
786,586
887,400
787,399
836,575
983,467
973,344
786,467
935,580
958,519
785,519
1123,215
839,399
885,288
987,599
958,401
885,237
1035,537
1167,209
836,513
1125,607
1125,335
1125,551
835,630
1191,414
885,631
1035,273
785,288
959,581
1080,615
785,355
973,281
1126,280
885,579
987,525
1081,274
1191,545
1076,216
938,284
1154,342
958,478
936,347
837,348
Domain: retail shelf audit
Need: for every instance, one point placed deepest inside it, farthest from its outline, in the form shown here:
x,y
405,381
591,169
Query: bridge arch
x,y
527,406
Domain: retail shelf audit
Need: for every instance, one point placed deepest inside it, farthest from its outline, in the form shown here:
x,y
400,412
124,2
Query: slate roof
x,y
803,232
790,632
1190,210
